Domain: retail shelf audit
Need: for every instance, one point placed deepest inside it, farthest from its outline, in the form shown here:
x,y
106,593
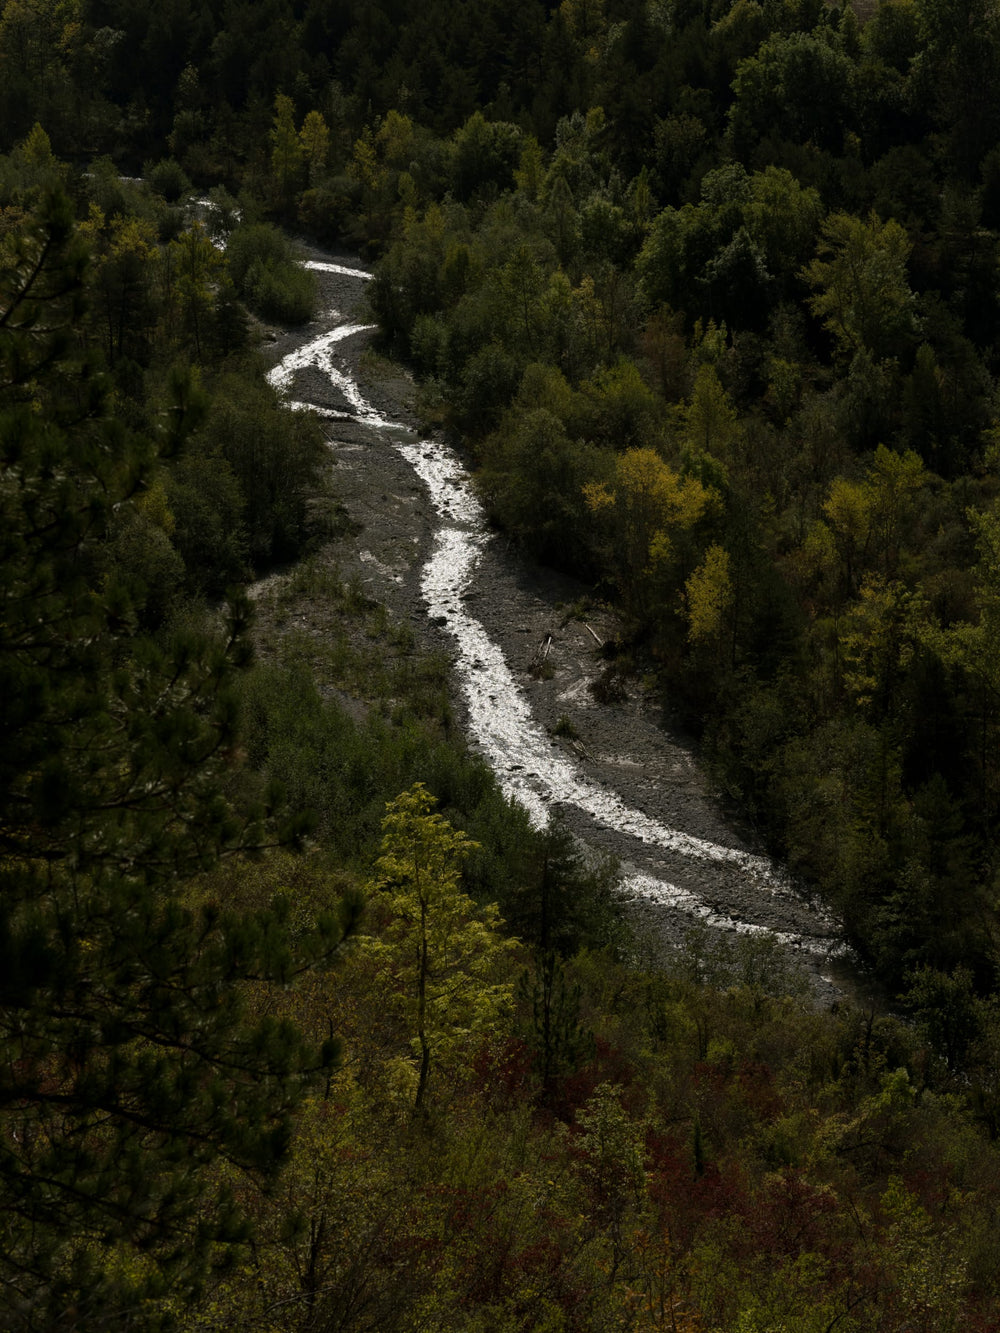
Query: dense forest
x,y
303,1025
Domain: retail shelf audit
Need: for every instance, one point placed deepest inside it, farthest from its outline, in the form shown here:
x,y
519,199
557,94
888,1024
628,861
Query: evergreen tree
x,y
129,1065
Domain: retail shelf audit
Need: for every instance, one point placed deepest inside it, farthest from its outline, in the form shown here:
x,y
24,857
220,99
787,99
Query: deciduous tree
x,y
646,508
863,295
440,955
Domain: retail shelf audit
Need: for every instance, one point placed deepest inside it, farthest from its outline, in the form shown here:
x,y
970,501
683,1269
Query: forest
x,y
303,1025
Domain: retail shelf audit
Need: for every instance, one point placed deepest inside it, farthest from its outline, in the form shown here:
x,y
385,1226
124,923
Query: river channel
x,y
613,774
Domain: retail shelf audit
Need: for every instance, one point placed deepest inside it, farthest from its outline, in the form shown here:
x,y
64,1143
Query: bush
x,y
209,531
330,213
253,243
265,273
168,179
285,294
274,457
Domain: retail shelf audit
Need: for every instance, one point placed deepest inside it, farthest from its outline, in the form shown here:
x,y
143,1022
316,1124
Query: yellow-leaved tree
x,y
441,957
865,524
710,423
645,509
709,596
314,136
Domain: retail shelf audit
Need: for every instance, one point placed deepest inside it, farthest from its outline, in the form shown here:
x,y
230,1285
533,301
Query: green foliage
x,y
484,155
541,501
209,532
564,901
711,1158
131,1063
797,86
556,1037
264,272
274,457
737,251
598,226
192,265
863,298
167,178
440,955
287,150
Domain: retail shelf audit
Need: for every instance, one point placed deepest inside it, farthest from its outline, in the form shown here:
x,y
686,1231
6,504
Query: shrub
x,y
285,293
168,179
266,275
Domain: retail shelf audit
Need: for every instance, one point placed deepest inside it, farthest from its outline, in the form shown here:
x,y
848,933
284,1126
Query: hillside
x,y
304,1023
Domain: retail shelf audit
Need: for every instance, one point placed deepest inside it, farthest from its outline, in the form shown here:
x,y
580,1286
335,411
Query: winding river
x,y
682,864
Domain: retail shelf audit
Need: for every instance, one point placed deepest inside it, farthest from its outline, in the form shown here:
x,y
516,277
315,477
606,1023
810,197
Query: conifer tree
x,y
128,1066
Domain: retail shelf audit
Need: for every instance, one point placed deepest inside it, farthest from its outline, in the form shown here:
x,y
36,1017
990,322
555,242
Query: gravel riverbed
x,y
617,778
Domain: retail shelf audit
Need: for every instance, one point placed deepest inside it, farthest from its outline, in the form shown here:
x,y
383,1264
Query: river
x,y
617,779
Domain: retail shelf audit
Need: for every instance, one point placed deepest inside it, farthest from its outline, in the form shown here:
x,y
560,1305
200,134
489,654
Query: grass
x,y
579,610
350,643
565,728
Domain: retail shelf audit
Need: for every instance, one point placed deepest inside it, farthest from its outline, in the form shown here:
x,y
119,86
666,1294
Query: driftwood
x,y
539,667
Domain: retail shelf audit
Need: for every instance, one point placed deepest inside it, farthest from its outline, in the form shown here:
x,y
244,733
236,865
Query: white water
x,y
517,747
319,266
501,724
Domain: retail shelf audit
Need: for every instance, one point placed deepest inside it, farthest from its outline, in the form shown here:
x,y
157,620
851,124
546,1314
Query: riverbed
x,y
524,655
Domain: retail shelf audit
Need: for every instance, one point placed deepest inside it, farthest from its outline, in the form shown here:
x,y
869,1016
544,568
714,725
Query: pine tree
x,y
128,1066
564,905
